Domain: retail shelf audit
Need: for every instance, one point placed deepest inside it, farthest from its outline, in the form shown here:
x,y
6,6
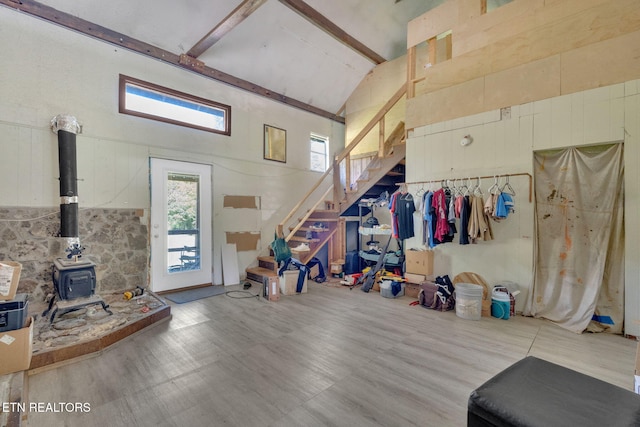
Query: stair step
x,y
303,239
268,262
305,229
258,273
320,215
320,219
304,257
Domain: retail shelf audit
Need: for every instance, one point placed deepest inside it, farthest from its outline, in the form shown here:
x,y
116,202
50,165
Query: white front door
x,y
180,224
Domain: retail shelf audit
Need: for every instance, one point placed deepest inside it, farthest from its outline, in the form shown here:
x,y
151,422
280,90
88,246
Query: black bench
x,y
534,392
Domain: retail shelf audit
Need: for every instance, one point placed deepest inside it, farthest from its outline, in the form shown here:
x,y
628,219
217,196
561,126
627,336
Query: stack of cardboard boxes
x,y
16,330
419,268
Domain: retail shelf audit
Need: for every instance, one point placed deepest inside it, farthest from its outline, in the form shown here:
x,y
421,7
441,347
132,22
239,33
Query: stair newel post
x,y
347,170
381,129
338,192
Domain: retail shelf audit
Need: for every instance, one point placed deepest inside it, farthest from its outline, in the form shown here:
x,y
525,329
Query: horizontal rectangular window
x,y
144,99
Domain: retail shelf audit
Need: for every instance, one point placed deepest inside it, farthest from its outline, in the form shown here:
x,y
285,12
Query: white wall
x,y
602,115
47,70
631,108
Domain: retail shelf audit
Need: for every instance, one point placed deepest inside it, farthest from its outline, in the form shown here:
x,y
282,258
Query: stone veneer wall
x,y
114,239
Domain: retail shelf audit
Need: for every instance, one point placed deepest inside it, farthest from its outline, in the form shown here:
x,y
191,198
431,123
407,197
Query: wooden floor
x,y
331,357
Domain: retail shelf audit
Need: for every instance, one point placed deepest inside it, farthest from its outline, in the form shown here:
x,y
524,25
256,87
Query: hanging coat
x,y
479,226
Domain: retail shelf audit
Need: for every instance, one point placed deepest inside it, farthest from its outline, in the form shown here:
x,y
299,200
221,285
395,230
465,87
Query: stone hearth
x,y
91,329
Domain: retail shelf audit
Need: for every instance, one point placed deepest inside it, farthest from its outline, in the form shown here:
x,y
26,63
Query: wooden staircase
x,y
377,169
332,234
266,267
326,212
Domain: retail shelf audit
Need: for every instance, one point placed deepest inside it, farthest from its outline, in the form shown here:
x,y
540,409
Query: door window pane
x,y
183,223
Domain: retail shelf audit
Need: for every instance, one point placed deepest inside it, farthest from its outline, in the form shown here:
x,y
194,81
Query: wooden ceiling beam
x,y
82,26
239,14
329,27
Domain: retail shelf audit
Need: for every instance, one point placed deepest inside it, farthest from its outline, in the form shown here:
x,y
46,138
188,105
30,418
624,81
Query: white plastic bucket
x,y
387,292
469,301
500,304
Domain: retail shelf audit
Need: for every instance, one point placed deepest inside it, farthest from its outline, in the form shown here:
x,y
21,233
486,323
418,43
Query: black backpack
x,y
439,295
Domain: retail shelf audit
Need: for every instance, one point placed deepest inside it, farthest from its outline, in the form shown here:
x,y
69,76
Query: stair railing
x,y
378,119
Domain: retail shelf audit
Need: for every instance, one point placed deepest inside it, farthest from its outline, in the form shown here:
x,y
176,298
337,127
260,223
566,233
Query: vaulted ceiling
x,y
310,54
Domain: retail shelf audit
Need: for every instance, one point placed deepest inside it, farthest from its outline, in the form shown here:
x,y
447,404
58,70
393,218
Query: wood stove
x,y
75,284
74,279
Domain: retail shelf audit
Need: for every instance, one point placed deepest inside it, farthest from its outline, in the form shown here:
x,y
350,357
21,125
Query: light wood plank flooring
x,y
331,357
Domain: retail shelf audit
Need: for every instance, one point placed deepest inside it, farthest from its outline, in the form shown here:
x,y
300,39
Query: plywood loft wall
x,y
368,98
524,51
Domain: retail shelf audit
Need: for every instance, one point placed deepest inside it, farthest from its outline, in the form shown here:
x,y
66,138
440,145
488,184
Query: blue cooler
x,y
500,304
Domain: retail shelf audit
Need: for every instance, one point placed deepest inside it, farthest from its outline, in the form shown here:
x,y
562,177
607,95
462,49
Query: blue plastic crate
x,y
13,313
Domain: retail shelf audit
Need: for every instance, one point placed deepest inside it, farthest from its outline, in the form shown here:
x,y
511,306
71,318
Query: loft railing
x,y
379,120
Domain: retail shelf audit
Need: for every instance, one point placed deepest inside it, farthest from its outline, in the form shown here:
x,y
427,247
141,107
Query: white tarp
x,y
579,265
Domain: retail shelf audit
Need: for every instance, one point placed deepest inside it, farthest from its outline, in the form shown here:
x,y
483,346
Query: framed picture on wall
x,y
275,144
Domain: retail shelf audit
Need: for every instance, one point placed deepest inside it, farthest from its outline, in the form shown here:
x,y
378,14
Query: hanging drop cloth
x,y
579,259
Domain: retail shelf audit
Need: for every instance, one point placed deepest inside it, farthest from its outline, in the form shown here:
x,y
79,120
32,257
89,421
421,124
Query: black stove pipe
x,y
68,184
67,127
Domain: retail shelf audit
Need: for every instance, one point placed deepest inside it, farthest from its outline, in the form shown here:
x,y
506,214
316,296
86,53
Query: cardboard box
x,y
336,266
289,282
419,262
9,278
270,288
376,286
415,278
314,271
16,348
411,289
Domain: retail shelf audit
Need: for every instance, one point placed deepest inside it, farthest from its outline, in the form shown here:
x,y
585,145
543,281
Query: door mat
x,y
189,295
